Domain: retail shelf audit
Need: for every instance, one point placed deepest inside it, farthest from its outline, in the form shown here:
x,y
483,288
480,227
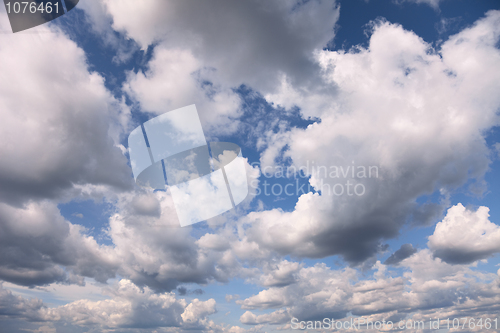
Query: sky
x,y
369,132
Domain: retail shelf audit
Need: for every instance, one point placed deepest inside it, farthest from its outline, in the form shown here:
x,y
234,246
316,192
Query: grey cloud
x,y
36,243
38,247
182,291
154,253
321,292
280,275
59,137
17,306
228,34
146,205
130,308
427,214
198,292
203,52
460,257
405,251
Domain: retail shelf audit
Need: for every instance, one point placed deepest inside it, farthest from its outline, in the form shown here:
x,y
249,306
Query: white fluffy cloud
x,y
465,236
57,119
175,78
427,283
154,250
416,113
200,59
197,310
59,139
38,247
128,306
276,317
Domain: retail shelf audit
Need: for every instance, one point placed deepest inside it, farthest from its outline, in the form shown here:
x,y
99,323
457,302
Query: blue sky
x,y
409,87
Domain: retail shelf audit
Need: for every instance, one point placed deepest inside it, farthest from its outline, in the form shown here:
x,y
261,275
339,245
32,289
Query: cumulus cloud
x,y
405,108
69,131
214,242
202,59
197,310
38,246
65,129
237,43
59,139
428,284
229,298
465,236
154,250
146,204
281,274
276,317
128,306
175,78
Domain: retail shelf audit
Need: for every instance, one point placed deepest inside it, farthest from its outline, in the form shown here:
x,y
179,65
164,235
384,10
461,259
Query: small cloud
x,y
405,251
42,329
198,292
229,298
79,215
465,236
184,291
433,3
448,25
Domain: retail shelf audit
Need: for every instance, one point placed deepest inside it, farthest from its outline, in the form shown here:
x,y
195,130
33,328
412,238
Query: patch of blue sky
x,y
491,197
259,117
92,215
431,25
